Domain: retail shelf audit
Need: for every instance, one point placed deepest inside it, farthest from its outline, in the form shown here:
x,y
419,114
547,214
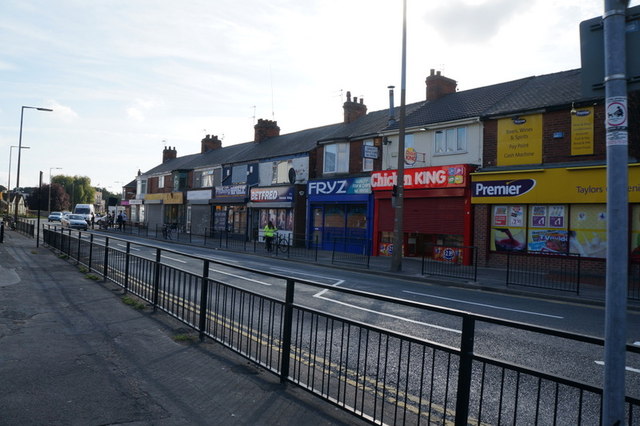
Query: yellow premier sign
x,y
549,186
520,140
582,132
166,198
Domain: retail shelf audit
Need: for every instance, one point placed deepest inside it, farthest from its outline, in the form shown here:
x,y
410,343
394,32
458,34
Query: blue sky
x,y
127,77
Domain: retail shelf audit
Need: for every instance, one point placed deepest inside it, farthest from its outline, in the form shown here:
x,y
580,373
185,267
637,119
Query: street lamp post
x,y
51,168
15,216
10,156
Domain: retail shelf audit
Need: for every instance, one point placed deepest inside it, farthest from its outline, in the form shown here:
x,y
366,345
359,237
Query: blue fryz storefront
x,y
339,214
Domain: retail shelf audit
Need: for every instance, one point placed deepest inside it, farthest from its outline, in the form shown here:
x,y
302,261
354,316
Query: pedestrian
x,y
269,233
119,221
93,220
124,220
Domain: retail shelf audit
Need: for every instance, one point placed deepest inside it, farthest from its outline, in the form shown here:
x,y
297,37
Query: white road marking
x,y
240,276
483,305
321,292
174,259
633,370
439,327
132,248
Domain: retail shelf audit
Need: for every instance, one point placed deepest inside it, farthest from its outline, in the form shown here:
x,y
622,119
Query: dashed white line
x,y
439,327
483,305
132,248
174,259
633,370
240,276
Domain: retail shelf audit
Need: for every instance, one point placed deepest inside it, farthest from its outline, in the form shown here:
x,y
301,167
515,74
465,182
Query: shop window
x,y
548,229
336,158
508,230
635,233
578,228
451,141
588,235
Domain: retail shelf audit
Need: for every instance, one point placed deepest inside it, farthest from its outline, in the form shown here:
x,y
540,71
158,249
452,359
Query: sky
x,y
125,78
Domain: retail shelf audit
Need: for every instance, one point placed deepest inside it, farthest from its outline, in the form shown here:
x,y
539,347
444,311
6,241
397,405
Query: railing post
x,y
316,246
79,241
287,330
126,267
156,281
105,265
90,250
69,244
578,277
465,370
204,293
474,250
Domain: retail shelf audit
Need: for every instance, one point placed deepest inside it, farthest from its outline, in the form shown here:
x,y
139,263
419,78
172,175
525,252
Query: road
x,y
262,275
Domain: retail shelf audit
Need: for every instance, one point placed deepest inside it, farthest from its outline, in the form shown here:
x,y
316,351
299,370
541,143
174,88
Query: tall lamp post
x,y
10,156
51,168
15,216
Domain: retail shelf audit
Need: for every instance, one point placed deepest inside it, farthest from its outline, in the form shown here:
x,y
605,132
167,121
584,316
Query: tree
x,y
78,188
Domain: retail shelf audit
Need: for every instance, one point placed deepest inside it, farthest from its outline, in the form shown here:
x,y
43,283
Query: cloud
x,y
461,21
138,111
64,112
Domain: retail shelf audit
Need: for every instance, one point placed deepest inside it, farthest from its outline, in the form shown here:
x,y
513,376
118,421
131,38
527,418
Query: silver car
x,y
74,221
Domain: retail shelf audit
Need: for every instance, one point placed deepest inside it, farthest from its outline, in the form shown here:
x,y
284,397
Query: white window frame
x,y
161,181
341,161
452,140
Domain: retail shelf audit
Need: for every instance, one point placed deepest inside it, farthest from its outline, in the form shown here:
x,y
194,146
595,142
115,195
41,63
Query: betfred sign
x,y
422,178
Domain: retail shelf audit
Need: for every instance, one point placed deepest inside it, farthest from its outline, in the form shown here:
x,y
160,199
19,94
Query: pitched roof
x,y
460,105
542,91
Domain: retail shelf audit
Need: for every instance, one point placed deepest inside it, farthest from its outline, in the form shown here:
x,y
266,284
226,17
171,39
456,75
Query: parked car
x,y
55,217
74,221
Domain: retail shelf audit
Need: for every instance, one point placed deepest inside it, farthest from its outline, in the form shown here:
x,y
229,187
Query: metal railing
x,y
633,291
352,251
389,374
553,271
25,227
450,261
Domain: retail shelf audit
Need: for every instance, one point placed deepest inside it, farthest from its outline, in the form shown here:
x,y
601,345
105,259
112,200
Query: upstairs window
x,y
160,181
451,141
336,158
367,163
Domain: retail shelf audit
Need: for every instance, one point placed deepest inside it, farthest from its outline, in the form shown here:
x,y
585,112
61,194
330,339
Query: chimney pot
x,y
353,110
439,86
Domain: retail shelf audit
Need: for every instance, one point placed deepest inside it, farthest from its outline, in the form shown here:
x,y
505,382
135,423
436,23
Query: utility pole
x,y
398,230
616,116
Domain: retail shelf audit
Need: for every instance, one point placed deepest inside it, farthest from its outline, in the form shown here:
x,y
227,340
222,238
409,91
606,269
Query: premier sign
x,y
502,188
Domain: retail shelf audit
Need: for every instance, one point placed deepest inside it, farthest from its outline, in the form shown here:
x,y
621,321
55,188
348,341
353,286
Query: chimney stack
x,y
265,129
209,143
392,110
439,86
353,110
168,154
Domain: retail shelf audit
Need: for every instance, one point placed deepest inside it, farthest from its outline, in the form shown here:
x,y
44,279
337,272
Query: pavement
x,y
72,353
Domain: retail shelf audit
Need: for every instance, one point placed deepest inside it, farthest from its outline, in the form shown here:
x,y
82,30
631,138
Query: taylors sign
x,y
502,188
424,177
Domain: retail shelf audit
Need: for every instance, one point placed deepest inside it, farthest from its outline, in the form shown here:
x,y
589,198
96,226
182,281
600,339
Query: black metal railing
x,y
449,372
352,251
450,261
633,291
553,271
25,227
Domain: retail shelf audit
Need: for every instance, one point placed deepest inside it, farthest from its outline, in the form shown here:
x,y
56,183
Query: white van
x,y
85,210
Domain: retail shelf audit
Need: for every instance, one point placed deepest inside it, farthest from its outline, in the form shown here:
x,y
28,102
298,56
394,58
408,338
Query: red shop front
x,y
436,209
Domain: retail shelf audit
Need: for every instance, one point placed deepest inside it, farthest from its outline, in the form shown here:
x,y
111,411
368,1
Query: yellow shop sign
x,y
520,140
166,198
547,186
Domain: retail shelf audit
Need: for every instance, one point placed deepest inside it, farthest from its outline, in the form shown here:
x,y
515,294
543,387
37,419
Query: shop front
x,y
165,208
229,209
551,210
436,209
136,213
283,206
198,211
340,214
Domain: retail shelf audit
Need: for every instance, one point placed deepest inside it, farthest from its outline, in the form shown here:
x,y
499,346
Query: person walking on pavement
x,y
269,233
93,220
119,221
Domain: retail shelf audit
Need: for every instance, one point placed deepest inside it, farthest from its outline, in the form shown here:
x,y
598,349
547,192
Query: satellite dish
x,y
292,176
